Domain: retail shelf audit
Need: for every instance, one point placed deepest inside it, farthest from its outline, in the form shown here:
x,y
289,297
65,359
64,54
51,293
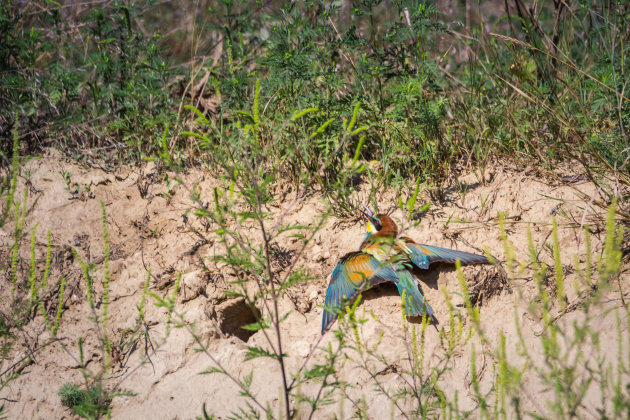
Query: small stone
x,y
302,348
192,285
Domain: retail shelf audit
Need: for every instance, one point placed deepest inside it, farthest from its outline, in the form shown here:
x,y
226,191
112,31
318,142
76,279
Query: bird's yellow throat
x,y
371,228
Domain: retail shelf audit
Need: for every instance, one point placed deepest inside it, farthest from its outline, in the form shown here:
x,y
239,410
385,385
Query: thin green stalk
x,y
503,374
451,321
145,290
171,303
588,269
62,288
14,254
47,267
106,288
42,309
15,162
88,279
17,236
557,266
32,271
474,381
610,263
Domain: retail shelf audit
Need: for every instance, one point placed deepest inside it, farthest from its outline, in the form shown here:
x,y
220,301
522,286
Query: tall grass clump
x,y
35,297
549,82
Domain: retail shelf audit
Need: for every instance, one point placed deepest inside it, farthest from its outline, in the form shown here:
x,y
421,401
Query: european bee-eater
x,y
383,257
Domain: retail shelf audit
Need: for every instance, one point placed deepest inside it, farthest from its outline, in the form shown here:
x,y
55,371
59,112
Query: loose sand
x,y
150,227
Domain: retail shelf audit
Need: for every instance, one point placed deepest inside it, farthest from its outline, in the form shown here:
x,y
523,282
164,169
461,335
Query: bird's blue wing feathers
x,y
355,272
359,270
423,255
415,304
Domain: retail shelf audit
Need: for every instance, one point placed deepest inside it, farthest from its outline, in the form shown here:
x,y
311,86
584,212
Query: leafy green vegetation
x,y
99,87
88,404
103,80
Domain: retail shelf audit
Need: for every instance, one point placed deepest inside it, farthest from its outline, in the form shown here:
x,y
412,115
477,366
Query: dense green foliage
x,y
102,79
82,79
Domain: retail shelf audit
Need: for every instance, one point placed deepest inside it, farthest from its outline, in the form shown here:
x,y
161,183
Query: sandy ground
x,y
150,228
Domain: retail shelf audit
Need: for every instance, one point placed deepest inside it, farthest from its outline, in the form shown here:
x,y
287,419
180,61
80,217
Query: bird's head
x,y
379,224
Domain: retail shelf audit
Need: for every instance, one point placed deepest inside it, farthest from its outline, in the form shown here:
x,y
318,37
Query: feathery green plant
x,y
13,174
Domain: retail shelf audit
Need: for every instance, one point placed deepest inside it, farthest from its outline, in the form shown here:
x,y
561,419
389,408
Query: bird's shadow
x,y
389,289
380,290
428,278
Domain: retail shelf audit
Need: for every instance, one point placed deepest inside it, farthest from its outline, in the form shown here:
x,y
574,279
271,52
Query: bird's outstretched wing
x,y
355,272
423,255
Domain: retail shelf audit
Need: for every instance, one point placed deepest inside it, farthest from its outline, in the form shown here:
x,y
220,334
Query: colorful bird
x,y
385,257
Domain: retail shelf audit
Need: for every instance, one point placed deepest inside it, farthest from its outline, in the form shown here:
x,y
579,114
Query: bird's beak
x,y
369,214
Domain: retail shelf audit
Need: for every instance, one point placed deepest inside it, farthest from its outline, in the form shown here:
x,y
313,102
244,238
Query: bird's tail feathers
x,y
415,304
439,254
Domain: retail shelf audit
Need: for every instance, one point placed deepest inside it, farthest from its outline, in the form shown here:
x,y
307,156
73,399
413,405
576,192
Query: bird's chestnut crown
x,y
382,225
